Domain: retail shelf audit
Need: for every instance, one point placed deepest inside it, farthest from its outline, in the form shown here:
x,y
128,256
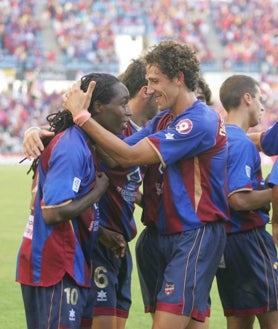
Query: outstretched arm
x,y
77,102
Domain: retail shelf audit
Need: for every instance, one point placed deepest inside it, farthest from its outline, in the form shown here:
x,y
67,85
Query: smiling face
x,y
164,90
115,115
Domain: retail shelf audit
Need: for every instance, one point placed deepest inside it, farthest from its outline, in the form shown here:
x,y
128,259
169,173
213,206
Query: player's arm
x,y
77,102
32,141
249,200
256,139
113,240
274,218
72,208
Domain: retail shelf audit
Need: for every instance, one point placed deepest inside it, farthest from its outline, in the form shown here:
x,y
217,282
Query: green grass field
x,y
14,201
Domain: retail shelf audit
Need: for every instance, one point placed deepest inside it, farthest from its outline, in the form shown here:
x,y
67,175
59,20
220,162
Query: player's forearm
x,y
250,200
112,145
72,208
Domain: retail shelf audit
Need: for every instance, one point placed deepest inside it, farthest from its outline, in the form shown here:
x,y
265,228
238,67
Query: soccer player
x,y
54,259
192,150
147,251
247,275
112,275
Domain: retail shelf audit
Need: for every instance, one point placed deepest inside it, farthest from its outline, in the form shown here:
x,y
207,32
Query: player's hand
x,y
32,141
102,182
113,240
76,100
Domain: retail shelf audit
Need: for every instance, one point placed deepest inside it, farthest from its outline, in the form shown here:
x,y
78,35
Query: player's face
x,y
256,110
150,107
115,115
164,90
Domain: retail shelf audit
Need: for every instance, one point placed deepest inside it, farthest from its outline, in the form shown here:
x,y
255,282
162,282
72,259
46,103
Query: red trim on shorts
x,y
111,312
246,312
178,309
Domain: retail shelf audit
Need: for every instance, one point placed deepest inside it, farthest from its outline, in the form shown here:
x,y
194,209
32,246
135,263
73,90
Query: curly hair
x,y
172,58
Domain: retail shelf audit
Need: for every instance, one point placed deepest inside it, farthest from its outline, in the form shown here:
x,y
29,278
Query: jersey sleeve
x,y
70,170
269,140
240,165
273,176
186,137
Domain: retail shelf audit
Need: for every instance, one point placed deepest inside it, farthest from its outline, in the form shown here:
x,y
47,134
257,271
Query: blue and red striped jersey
x,y
244,174
116,206
193,152
66,171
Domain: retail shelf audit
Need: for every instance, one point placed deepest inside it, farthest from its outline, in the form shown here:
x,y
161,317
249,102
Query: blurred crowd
x,y
85,31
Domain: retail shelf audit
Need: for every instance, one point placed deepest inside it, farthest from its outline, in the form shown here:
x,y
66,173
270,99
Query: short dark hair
x,y
203,85
172,58
134,77
234,87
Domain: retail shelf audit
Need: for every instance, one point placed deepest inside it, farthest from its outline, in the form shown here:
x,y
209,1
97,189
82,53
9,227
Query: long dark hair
x,y
62,120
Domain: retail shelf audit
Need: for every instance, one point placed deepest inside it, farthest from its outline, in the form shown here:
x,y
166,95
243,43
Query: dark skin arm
x,y
250,200
73,208
113,240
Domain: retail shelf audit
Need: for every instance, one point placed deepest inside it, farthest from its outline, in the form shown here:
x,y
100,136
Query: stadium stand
x,y
59,40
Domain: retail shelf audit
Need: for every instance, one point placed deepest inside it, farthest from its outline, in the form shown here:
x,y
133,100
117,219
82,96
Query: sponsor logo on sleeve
x,y
76,184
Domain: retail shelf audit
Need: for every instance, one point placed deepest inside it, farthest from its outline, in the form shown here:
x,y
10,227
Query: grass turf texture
x,y
14,200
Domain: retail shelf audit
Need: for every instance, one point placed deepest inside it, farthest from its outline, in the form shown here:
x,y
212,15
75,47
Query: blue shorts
x,y
64,305
247,276
111,282
190,260
148,266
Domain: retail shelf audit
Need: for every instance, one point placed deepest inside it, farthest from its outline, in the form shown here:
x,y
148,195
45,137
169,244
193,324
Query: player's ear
x,y
247,98
180,78
144,92
98,107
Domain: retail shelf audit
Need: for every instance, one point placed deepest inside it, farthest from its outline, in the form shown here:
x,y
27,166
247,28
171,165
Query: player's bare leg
x,y
268,320
193,324
245,322
166,320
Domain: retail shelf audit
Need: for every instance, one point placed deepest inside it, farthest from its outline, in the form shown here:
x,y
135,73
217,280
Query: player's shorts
x,y
111,282
190,262
247,278
64,305
148,266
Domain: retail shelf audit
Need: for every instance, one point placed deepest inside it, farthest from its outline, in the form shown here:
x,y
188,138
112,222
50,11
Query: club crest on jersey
x,y
169,288
184,126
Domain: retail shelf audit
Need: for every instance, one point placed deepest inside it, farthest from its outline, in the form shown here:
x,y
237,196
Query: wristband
x,y
31,128
82,117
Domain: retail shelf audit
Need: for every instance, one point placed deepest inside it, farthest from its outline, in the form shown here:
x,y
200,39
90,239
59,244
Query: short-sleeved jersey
x,y
193,151
66,171
269,140
273,176
153,174
116,206
244,174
